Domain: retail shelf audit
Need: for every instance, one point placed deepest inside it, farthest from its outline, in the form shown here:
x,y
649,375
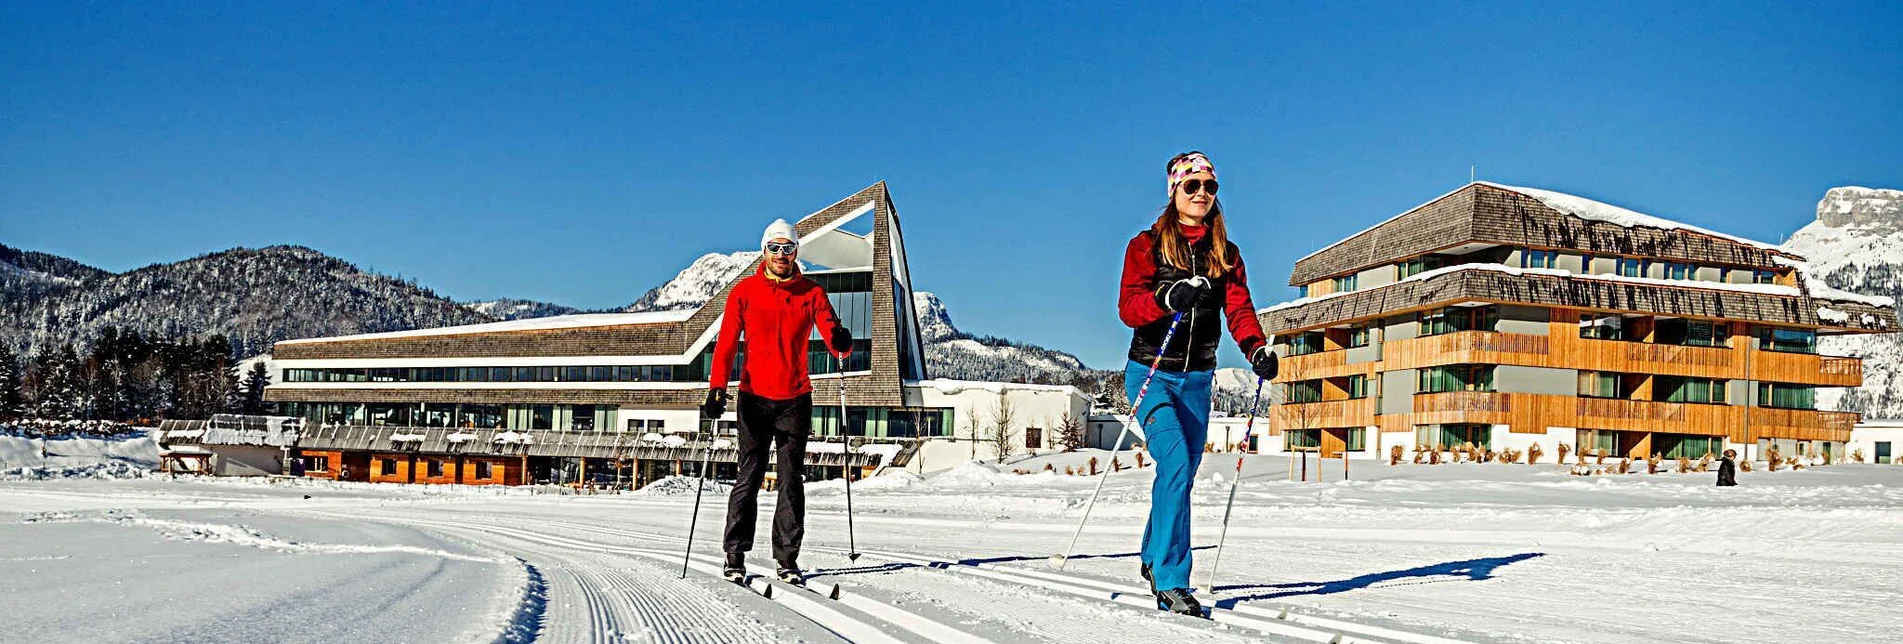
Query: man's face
x,y
781,253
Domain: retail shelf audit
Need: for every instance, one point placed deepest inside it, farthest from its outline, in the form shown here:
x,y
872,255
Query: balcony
x,y
1357,412
1461,347
1462,407
1323,364
1802,424
1806,369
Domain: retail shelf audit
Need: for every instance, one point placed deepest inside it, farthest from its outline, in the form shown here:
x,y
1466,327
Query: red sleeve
x,y
1240,309
1136,303
728,339
824,317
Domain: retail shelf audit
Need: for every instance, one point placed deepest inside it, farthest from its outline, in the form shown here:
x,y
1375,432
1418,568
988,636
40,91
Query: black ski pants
x,y
764,422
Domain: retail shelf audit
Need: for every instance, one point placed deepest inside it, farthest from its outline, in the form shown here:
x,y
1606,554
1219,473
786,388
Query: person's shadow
x,y
1470,570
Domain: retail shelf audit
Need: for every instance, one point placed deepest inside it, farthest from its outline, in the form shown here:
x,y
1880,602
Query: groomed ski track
x,y
938,602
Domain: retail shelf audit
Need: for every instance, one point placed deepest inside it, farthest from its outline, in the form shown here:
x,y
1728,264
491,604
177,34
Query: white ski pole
x,y
1248,429
845,430
700,484
1117,446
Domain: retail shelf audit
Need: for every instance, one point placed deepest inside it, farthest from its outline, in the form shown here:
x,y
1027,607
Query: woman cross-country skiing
x,y
776,309
1182,265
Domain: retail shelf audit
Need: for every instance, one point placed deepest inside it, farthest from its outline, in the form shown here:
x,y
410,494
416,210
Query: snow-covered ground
x,y
1478,553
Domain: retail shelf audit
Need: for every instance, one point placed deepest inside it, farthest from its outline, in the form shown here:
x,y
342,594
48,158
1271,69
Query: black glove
x,y
716,404
1181,294
1264,363
842,339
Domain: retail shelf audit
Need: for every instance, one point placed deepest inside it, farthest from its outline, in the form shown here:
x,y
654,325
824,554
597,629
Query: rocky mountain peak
x,y
1857,206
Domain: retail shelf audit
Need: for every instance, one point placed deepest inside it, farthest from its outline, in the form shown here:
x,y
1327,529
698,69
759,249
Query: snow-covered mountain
x,y
954,354
252,296
1856,245
513,309
694,285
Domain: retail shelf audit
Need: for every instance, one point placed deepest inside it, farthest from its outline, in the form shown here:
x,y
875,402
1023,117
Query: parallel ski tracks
x,y
1281,623
852,617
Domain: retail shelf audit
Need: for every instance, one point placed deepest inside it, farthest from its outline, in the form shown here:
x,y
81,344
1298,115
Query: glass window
x,y
1601,327
1411,267
1530,258
1680,271
1462,377
1787,340
1307,342
541,416
1688,390
1357,387
1346,283
1300,439
1454,436
1630,267
1357,439
1305,391
582,418
1459,318
484,470
1358,336
1785,396
1598,384
1763,277
1585,264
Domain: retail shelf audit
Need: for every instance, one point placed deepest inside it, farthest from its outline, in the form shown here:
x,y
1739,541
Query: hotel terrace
x,y
1502,317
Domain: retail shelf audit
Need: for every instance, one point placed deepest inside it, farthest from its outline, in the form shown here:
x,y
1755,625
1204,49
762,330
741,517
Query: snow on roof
x,y
1597,211
1576,206
534,324
1818,290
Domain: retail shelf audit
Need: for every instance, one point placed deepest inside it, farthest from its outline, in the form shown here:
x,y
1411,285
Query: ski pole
x,y
700,485
845,430
1248,428
1117,446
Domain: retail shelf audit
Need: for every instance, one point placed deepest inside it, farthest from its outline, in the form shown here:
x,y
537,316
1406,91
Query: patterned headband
x,y
1191,163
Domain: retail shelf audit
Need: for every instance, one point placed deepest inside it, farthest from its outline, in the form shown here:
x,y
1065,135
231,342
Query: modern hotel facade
x,y
1503,317
614,397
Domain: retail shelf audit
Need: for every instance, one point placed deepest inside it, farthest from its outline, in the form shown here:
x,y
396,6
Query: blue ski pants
x,y
1175,419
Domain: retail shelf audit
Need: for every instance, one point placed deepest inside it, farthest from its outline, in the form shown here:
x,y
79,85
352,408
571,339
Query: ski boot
x,y
736,569
1180,601
1147,577
791,574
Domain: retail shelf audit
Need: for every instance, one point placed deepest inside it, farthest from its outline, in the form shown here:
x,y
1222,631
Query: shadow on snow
x,y
1471,569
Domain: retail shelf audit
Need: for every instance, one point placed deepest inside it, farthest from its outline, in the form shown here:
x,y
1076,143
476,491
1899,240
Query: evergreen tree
x,y
253,388
59,396
12,390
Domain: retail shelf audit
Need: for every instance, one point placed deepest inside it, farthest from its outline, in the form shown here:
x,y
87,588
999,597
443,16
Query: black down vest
x,y
1198,335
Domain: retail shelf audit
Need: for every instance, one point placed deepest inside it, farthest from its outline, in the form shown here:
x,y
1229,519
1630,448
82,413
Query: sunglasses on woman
x,y
778,248
1194,186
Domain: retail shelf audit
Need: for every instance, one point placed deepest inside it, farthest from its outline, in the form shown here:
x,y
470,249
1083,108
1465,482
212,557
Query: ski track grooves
x,y
812,606
1282,623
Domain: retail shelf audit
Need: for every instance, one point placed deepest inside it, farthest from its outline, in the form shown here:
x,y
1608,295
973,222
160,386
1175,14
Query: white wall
x,y
246,460
974,407
1865,436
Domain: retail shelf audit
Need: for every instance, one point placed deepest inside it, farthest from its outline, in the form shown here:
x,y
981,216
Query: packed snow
x,y
1469,553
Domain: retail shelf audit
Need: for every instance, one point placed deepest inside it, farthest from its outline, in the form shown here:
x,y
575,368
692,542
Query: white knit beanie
x,y
779,229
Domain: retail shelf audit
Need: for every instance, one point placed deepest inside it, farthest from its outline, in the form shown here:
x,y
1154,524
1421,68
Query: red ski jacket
x,y
1194,348
777,317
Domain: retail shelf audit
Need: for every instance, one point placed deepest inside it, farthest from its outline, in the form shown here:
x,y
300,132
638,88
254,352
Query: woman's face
x,y
1192,207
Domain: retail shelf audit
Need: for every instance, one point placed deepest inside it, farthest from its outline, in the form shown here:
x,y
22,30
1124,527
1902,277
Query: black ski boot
x,y
1179,600
1147,577
736,570
791,575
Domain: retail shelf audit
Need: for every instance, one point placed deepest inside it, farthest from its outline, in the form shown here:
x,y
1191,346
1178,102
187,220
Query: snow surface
x,y
1479,553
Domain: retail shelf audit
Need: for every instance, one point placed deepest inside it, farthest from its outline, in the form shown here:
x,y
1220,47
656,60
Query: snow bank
x,y
131,456
680,485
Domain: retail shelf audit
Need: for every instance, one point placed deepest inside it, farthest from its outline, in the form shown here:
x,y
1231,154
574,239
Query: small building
x,y
1880,441
228,445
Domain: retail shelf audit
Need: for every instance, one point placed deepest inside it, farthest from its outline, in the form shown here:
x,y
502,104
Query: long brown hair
x,y
1176,251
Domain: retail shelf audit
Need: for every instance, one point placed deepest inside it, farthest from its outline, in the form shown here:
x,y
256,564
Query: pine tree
x,y
59,396
12,392
253,388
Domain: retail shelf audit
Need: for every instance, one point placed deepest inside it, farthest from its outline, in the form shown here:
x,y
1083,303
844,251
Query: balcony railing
x,y
1835,366
1357,412
1678,354
1463,401
1628,410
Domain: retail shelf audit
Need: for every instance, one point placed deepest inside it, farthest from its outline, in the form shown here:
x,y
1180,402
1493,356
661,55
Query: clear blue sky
x,y
582,155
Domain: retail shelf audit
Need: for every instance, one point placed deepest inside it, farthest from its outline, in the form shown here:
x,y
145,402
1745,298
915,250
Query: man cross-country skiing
x,y
1183,265
776,309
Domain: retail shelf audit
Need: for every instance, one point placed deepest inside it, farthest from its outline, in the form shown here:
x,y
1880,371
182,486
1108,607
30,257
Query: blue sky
x,y
584,154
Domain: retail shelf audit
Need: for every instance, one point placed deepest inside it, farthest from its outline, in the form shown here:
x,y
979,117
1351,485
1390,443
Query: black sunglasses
x,y
778,248
1194,186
